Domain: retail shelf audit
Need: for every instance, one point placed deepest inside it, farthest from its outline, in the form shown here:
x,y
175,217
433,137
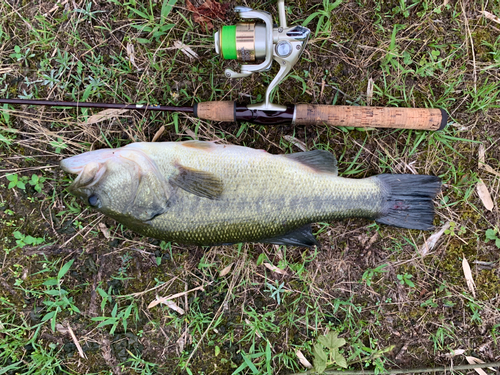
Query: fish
x,y
206,193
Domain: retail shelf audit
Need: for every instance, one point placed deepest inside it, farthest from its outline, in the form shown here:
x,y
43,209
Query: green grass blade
x,y
64,269
167,8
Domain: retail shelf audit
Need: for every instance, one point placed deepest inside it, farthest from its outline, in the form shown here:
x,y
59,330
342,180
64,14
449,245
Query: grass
x,y
63,264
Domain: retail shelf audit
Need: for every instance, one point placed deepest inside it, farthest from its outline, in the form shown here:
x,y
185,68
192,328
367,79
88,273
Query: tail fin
x,y
408,200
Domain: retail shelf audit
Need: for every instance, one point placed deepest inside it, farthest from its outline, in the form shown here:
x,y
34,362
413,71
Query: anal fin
x,y
298,237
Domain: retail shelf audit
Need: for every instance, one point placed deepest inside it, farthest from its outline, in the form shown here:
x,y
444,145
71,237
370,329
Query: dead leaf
x,y
131,54
183,340
58,5
185,49
206,12
484,194
482,155
490,16
275,269
432,240
303,359
62,329
473,361
105,231
489,169
468,277
159,300
191,134
482,162
372,240
301,145
77,344
104,115
173,306
226,270
158,133
323,84
455,352
65,330
369,92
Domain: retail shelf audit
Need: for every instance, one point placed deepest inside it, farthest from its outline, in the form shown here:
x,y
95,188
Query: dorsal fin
x,y
319,160
201,145
203,184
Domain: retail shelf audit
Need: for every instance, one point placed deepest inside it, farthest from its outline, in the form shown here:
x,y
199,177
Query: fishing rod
x,y
257,45
300,114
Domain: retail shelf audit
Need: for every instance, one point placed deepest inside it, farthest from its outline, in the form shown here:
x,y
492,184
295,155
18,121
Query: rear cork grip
x,y
371,117
215,111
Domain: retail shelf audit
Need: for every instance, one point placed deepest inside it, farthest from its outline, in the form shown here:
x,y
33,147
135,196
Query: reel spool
x,y
262,43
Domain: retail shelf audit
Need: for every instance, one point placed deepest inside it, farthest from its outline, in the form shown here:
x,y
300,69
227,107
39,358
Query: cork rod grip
x,y
371,117
215,111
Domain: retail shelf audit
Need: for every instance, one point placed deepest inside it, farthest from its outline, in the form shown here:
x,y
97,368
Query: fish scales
x,y
263,196
205,193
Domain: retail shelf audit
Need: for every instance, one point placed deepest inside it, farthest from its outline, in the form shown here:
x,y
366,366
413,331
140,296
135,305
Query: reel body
x,y
262,43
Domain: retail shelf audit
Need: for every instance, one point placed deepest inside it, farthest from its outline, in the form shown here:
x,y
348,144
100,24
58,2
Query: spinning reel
x,y
262,43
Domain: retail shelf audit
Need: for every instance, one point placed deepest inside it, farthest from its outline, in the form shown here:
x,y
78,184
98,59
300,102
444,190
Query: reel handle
x,y
332,115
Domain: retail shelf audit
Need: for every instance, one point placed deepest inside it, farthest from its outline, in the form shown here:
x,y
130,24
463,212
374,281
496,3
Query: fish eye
x,y
93,200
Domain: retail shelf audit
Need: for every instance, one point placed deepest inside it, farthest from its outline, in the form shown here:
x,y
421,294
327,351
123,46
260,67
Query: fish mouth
x,y
76,164
89,166
67,167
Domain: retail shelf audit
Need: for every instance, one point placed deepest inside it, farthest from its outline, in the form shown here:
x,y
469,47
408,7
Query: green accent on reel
x,y
228,42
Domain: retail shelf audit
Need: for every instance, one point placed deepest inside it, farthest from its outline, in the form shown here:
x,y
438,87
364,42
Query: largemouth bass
x,y
204,193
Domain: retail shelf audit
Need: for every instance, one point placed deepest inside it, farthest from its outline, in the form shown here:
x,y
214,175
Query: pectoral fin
x,y
200,183
319,160
298,237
